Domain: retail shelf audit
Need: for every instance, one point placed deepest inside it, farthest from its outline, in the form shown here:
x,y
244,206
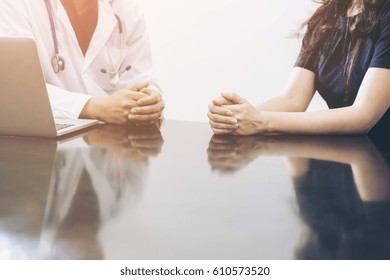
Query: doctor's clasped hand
x,y
95,55
137,104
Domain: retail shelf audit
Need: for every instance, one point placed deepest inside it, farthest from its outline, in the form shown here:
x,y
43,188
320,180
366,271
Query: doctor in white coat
x,y
95,56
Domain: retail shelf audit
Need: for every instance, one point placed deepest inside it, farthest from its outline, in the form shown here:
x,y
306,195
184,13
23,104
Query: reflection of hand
x,y
230,153
136,143
370,170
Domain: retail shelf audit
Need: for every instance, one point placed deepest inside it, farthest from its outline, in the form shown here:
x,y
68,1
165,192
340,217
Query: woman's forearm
x,y
281,104
347,120
296,95
371,103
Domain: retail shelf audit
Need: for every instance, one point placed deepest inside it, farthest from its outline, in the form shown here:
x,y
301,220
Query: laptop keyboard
x,y
60,126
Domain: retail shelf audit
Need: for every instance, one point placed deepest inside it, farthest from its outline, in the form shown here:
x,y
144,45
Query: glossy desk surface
x,y
179,193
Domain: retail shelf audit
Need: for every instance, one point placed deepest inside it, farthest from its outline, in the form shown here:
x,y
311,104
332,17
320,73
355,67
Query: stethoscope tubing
x,y
52,26
58,63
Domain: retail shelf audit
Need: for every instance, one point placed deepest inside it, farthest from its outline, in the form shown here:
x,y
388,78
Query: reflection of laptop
x,y
24,103
26,168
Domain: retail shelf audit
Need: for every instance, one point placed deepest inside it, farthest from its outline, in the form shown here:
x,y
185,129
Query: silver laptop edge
x,y
24,103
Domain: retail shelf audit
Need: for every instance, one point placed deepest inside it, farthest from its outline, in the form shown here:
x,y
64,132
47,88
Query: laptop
x,y
24,103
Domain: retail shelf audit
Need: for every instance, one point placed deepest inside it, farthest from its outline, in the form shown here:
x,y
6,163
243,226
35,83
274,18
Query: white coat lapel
x,y
73,49
105,27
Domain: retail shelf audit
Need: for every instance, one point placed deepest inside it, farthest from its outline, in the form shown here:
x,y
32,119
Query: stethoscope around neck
x,y
58,63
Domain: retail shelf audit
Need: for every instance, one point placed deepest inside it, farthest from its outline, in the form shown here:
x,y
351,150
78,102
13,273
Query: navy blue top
x,y
330,79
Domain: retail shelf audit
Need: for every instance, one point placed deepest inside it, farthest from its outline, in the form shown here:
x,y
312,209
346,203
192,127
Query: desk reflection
x,y
228,154
55,201
342,187
114,193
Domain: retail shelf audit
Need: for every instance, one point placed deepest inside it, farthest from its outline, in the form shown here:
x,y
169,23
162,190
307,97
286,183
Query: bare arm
x,y
296,95
372,101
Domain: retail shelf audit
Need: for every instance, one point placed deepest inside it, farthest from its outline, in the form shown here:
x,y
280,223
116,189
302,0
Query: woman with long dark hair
x,y
345,56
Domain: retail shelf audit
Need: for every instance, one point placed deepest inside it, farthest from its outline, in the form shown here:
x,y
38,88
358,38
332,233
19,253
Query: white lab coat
x,y
82,79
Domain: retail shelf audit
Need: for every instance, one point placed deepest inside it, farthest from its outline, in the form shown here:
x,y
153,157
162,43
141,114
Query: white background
x,y
204,47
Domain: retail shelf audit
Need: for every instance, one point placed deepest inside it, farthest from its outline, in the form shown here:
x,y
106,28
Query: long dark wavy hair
x,y
322,30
